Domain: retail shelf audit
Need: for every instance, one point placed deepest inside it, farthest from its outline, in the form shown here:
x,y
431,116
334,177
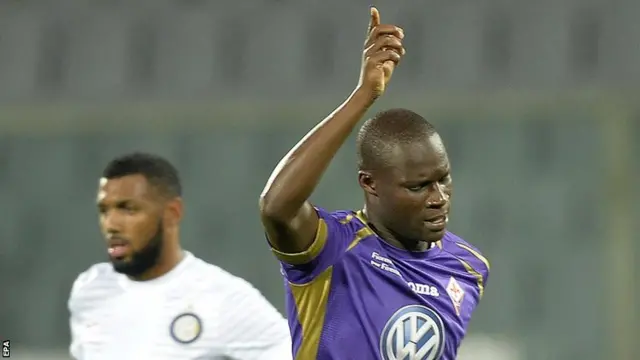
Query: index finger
x,y
375,19
381,31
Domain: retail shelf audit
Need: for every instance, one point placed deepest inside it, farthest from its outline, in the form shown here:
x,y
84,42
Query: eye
x,y
445,179
416,188
130,209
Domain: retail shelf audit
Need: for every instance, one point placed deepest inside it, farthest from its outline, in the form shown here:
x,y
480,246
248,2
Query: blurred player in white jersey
x,y
155,300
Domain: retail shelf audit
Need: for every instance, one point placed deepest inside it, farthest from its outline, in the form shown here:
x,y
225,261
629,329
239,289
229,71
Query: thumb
x,y
375,18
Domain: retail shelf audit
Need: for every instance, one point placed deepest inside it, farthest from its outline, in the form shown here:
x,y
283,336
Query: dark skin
x,y
410,190
131,209
289,219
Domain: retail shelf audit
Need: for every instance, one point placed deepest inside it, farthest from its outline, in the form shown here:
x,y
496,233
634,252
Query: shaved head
x,y
404,171
380,135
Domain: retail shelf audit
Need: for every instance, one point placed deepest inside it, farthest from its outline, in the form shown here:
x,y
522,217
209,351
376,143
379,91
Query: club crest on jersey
x,y
186,328
456,294
414,332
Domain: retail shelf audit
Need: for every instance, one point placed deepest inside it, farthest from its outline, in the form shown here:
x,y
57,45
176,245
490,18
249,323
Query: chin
x,y
120,261
434,236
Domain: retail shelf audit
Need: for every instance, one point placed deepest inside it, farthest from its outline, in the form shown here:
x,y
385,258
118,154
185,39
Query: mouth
x,y
437,223
117,248
118,251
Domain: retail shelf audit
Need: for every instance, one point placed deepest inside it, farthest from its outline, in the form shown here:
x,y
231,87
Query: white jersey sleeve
x,y
251,328
75,347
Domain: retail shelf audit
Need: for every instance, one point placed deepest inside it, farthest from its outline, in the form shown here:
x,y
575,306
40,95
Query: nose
x,y
111,222
437,197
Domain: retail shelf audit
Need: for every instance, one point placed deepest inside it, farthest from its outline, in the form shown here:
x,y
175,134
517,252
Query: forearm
x,y
299,172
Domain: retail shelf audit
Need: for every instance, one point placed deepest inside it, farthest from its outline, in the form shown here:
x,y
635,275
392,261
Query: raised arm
x,y
289,219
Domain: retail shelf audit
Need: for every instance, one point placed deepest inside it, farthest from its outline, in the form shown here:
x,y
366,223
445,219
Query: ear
x,y
367,183
173,211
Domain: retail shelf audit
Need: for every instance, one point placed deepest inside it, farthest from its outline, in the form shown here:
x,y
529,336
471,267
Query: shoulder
x,y
92,285
340,221
340,215
239,305
467,252
335,229
335,213
207,277
230,291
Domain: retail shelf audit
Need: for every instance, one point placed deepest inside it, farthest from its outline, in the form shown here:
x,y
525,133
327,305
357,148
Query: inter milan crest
x,y
414,332
186,328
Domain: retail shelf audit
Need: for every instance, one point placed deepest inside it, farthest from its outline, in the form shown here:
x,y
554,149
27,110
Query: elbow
x,y
269,208
263,204
275,209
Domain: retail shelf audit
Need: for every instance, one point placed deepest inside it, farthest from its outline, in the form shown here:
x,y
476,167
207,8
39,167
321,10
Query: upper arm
x,y
479,265
250,328
74,305
75,347
333,235
291,235
259,341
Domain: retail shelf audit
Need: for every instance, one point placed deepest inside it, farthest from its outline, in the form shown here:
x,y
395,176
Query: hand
x,y
382,51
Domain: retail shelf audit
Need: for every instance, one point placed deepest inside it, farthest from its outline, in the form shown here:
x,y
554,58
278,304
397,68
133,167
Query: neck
x,y
391,237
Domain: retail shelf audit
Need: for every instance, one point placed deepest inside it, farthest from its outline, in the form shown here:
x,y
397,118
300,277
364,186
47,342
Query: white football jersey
x,y
196,311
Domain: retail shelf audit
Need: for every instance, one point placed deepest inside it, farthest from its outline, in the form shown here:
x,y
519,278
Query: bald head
x,y
380,135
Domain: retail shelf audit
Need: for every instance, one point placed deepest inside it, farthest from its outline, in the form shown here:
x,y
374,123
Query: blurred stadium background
x,y
537,101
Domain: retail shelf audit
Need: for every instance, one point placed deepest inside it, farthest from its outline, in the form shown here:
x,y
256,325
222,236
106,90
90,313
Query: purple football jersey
x,y
352,296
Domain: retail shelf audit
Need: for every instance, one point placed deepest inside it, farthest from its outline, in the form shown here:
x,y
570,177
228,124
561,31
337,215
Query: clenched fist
x,y
382,52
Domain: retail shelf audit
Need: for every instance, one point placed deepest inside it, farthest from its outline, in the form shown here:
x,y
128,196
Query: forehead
x,y
419,159
126,187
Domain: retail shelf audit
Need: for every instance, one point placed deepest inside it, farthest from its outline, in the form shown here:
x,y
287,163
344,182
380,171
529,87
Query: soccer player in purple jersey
x,y
389,281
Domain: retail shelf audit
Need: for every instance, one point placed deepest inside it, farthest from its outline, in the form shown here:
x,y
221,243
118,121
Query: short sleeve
x,y
75,306
250,327
479,264
336,231
75,347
